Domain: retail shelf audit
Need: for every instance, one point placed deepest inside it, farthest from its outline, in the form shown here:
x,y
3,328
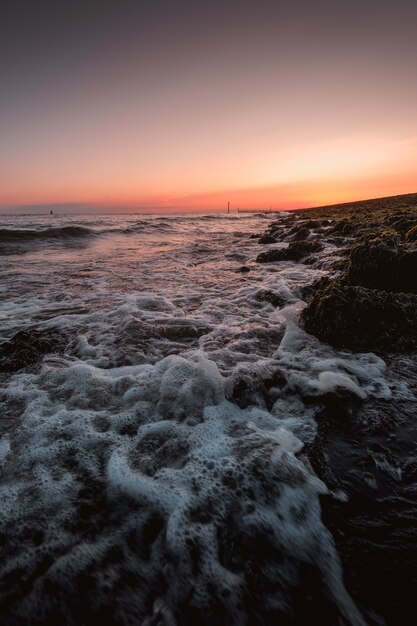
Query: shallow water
x,y
153,466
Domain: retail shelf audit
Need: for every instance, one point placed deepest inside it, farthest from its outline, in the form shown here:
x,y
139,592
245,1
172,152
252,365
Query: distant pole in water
x,y
228,207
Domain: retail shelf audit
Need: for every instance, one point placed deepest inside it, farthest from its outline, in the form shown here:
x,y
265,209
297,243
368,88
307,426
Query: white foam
x,y
129,439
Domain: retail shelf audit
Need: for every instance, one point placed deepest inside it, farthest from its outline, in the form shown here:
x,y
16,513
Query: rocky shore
x,y
370,300
366,301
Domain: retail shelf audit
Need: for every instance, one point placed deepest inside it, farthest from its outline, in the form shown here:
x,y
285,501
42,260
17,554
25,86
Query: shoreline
x,y
365,449
172,417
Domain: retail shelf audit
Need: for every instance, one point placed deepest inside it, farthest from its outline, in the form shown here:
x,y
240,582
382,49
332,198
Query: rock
x,y
318,223
248,392
244,269
342,228
298,233
411,235
300,249
27,347
362,319
384,263
295,252
308,291
401,223
248,388
266,295
276,232
267,239
270,256
255,236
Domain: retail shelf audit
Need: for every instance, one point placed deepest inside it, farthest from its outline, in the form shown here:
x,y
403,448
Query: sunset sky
x,y
188,104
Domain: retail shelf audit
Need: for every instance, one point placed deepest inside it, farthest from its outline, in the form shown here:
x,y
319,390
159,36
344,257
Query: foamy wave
x,y
9,235
154,484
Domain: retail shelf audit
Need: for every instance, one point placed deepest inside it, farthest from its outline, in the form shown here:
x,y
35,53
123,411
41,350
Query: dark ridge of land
x,y
387,203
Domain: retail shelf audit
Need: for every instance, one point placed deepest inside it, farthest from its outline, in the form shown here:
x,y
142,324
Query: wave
x,y
8,235
148,226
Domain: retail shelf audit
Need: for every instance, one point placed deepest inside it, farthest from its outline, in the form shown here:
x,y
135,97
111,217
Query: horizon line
x,y
123,210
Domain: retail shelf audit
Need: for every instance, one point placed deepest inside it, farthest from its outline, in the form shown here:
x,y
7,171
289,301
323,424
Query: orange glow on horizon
x,y
256,127
301,194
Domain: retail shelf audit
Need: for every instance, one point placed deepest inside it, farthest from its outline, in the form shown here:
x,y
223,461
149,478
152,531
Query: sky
x,y
188,104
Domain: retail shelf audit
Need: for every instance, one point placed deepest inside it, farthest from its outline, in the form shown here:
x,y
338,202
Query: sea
x,y
155,464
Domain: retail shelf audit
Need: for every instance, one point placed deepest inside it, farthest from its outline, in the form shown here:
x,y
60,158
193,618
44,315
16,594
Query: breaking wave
x,y
8,235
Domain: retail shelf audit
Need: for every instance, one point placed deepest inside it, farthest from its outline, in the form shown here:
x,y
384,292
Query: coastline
x,y
365,449
176,446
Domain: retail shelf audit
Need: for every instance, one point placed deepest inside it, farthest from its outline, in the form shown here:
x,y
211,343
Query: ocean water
x,y
153,465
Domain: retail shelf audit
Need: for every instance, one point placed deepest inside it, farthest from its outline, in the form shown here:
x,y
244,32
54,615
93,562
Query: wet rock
x,y
298,233
244,269
266,295
248,388
248,392
300,249
27,347
317,223
308,291
343,228
357,448
384,263
362,319
411,235
267,239
295,252
270,256
276,232
255,236
401,223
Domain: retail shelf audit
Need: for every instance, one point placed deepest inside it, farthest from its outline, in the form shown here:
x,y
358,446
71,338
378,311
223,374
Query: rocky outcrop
x,y
27,347
363,319
384,263
308,291
295,252
276,299
267,238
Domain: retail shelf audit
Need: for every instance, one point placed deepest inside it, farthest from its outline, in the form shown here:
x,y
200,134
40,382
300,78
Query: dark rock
x,y
266,295
300,249
384,263
317,223
255,236
298,233
267,239
411,235
295,252
308,291
374,528
401,223
248,392
27,347
248,388
270,256
276,232
342,227
362,319
244,269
